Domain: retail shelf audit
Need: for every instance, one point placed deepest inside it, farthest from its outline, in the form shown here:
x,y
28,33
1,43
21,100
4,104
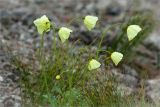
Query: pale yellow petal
x,y
116,57
43,24
90,22
132,31
93,64
64,33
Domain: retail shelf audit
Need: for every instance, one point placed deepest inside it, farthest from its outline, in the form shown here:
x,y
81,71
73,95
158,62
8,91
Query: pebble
x,y
153,89
1,78
113,10
124,90
128,80
130,71
1,105
153,40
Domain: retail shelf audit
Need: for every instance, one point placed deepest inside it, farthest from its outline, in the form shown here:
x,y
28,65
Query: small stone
x,y
124,90
39,1
16,97
130,71
153,90
113,10
102,4
153,41
9,103
91,8
1,79
1,105
126,79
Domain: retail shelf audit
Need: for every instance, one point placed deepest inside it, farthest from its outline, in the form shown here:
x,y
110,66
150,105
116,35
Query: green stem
x,y
41,49
46,83
70,81
103,32
43,67
54,39
53,48
74,20
119,39
105,51
41,58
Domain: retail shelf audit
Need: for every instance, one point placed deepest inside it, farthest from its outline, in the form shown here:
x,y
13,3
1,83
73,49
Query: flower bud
x,y
58,77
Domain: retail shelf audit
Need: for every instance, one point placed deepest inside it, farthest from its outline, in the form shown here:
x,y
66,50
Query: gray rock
x,y
5,17
124,90
130,71
11,103
90,8
9,90
127,83
40,1
9,4
153,90
1,78
126,79
1,105
102,4
113,10
153,40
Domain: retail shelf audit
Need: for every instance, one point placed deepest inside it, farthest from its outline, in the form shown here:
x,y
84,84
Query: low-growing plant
x,y
67,78
120,43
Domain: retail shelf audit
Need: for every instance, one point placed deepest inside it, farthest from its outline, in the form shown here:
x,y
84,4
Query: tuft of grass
x,y
76,87
72,69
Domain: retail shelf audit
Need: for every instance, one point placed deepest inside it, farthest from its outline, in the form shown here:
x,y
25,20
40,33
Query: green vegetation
x,y
68,76
146,21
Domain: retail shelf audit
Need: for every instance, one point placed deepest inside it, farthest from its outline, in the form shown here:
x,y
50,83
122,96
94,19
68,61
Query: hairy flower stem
x,y
74,20
103,32
41,49
43,72
54,37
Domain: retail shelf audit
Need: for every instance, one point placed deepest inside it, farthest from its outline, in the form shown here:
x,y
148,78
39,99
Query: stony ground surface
x,y
17,33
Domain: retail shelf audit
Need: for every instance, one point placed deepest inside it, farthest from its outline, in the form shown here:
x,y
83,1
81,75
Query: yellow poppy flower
x,y
132,31
90,22
64,33
93,64
43,24
116,57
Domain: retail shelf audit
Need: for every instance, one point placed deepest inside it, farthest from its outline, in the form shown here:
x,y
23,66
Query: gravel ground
x,y
17,33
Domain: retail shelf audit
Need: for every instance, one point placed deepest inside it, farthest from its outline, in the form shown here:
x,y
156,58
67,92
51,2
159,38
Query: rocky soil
x,y
17,34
